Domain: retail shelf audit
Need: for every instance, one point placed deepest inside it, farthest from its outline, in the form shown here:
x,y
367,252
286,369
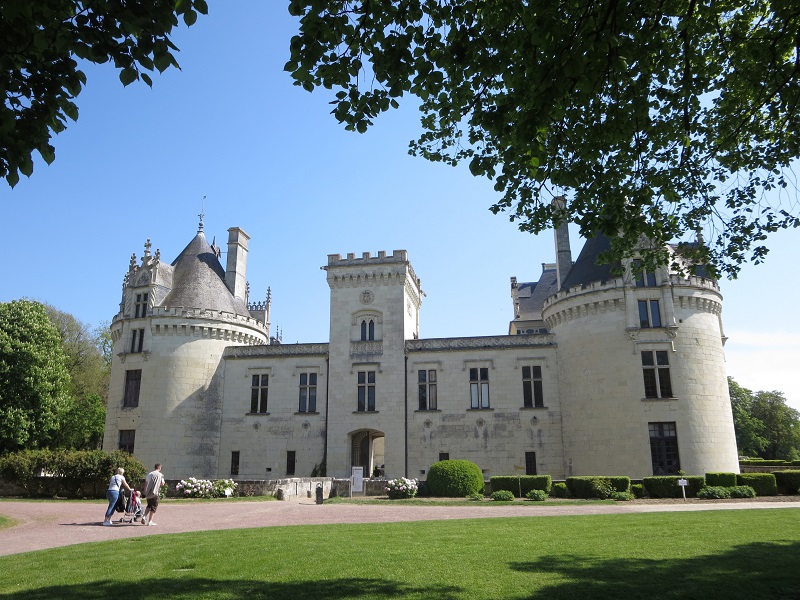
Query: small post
x,y
319,493
683,483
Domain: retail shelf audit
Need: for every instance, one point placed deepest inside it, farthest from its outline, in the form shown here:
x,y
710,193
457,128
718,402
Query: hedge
x,y
68,473
763,483
721,479
522,484
586,486
666,486
454,478
788,481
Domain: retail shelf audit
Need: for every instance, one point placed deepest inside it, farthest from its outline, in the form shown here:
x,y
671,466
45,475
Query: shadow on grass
x,y
186,588
751,571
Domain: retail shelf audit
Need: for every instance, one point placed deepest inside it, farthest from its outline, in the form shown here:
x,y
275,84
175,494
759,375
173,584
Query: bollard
x,y
319,493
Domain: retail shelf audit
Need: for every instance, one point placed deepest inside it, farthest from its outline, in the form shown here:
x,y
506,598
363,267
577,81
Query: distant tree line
x,y
54,375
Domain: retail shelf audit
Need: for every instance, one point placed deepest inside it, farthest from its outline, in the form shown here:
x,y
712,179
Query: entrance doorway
x,y
367,451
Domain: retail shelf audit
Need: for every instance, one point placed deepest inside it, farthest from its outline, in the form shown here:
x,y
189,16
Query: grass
x,y
733,554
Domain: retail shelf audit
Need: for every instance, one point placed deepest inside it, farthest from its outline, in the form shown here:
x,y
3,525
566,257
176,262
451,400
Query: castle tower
x,y
641,371
375,302
165,396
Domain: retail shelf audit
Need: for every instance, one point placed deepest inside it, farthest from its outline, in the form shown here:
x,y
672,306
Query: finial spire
x,y
201,215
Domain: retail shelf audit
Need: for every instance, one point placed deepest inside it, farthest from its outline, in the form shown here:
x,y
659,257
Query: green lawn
x,y
746,554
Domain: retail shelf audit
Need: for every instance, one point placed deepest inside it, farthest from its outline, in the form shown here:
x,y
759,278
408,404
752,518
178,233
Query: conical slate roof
x,y
586,269
198,281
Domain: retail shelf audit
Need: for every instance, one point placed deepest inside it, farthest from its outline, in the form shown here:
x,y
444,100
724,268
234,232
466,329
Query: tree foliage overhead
x,y
654,117
39,72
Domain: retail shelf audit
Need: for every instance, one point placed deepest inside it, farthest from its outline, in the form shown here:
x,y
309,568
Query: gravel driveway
x,y
50,524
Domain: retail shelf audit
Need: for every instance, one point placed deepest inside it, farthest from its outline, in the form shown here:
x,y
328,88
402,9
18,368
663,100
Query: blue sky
x,y
269,158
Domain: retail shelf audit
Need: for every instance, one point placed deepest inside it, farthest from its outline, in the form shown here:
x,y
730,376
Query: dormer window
x,y
643,278
140,306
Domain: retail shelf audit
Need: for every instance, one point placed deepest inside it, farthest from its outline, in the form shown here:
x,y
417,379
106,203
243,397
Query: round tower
x,y
641,371
174,323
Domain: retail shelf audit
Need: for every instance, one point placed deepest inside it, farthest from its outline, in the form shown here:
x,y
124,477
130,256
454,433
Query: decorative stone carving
x,y
367,297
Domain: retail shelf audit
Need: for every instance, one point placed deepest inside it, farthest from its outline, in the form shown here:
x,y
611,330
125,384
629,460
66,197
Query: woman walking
x,y
115,486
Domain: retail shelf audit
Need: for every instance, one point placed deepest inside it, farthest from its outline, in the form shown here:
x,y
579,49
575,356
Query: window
x,y
530,463
643,278
127,437
140,306
258,393
308,393
655,368
444,456
532,387
649,313
367,330
133,382
366,391
479,387
427,389
290,462
235,462
137,339
664,448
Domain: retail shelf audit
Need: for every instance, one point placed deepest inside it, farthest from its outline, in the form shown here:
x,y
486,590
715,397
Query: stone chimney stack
x,y
563,251
236,270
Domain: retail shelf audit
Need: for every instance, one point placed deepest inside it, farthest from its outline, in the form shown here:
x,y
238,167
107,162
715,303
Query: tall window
x,y
649,313
235,462
308,393
259,390
427,389
127,439
291,461
643,278
655,368
532,387
479,387
367,330
530,463
366,391
664,448
140,306
133,382
137,339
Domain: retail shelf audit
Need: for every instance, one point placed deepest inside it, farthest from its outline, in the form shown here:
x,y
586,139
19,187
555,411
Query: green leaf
x,y
128,76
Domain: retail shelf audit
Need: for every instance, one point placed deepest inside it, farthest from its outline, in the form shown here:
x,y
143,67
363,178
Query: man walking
x,y
152,486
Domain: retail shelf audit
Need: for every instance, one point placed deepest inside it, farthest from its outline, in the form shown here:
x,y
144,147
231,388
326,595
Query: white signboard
x,y
357,479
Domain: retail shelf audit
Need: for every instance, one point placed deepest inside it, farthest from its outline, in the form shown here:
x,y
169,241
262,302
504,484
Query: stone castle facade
x,y
599,374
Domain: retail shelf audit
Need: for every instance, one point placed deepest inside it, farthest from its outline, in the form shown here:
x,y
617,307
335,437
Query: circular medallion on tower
x,y
367,297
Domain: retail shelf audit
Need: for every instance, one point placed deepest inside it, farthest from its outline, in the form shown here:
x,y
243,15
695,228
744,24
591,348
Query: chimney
x,y
236,271
563,252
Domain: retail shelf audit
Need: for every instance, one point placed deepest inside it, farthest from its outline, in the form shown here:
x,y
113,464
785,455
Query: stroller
x,y
134,511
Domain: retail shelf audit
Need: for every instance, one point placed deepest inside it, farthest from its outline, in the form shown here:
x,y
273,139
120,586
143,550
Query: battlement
x,y
397,256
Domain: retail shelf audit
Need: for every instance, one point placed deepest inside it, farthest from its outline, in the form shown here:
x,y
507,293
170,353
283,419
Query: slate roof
x,y
198,281
586,269
531,296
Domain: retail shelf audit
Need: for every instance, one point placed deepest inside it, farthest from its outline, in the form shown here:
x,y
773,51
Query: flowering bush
x,y
203,488
400,488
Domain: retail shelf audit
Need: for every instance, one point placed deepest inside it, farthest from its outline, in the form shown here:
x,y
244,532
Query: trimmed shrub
x,y
537,495
763,483
788,481
721,479
742,491
454,478
622,496
559,490
714,492
522,484
666,486
637,489
502,496
596,486
761,462
476,497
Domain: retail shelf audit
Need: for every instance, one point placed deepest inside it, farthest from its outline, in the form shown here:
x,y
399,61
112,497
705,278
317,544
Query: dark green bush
x,y
637,489
594,486
763,483
622,496
721,479
454,478
666,486
520,485
559,490
537,495
788,481
714,492
502,496
742,491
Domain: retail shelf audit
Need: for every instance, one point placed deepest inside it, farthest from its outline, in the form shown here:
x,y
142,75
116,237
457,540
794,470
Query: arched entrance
x,y
367,451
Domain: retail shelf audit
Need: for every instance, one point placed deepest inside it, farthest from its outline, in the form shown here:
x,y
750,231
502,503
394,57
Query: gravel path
x,y
50,524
